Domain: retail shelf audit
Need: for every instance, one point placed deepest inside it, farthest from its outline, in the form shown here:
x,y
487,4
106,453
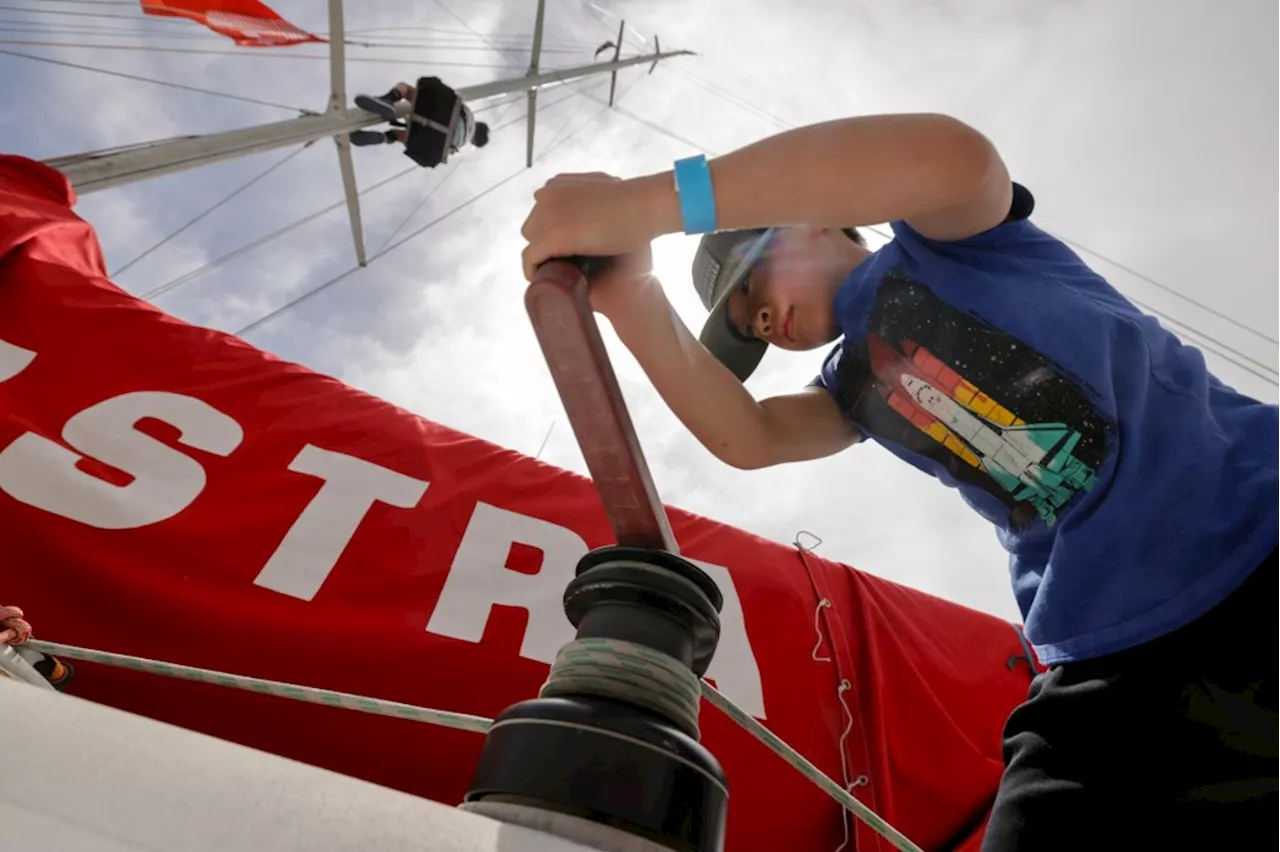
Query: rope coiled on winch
x,y
625,671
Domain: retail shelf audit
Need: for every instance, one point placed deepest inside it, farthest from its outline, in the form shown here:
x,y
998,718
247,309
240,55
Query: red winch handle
x,y
560,309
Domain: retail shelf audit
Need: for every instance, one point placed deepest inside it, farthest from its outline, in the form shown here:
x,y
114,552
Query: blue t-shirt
x,y
1132,490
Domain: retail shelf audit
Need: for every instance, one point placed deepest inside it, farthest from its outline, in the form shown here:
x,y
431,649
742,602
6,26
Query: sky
x,y
1146,130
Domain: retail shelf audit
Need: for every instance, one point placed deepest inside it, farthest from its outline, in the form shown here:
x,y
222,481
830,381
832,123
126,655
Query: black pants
x,y
1170,745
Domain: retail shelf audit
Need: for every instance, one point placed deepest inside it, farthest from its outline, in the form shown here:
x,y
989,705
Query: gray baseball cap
x,y
723,259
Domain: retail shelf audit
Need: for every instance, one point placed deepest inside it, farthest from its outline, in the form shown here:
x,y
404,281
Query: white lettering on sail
x,y
13,360
42,473
480,579
312,546
734,669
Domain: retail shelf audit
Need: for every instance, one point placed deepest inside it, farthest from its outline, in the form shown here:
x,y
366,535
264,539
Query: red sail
x,y
248,22
172,492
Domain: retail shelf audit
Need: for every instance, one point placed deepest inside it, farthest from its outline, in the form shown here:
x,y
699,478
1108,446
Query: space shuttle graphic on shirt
x,y
1033,462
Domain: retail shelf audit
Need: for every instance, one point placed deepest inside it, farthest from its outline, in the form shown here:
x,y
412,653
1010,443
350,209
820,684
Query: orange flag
x,y
248,22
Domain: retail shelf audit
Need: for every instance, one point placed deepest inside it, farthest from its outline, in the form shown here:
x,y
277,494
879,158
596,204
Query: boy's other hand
x,y
592,214
625,281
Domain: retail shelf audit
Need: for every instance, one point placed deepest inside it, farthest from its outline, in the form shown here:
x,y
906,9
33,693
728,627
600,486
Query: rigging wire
x,y
261,241
168,30
1206,341
1270,375
147,48
268,170
523,38
1153,282
290,305
715,89
161,19
186,277
545,438
431,192
742,103
40,27
423,203
659,128
467,26
582,105
730,97
142,79
26,26
436,188
151,19
590,10
1222,347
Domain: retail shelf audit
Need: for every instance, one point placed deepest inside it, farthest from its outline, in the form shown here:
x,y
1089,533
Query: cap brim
x,y
739,355
736,352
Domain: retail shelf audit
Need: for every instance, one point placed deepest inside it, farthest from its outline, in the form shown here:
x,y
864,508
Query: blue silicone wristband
x,y
697,199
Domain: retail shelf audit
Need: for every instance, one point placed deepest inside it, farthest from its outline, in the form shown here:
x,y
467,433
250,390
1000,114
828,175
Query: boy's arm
x,y
937,173
710,401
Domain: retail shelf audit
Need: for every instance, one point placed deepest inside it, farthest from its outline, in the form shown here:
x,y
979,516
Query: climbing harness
x,y
432,126
437,109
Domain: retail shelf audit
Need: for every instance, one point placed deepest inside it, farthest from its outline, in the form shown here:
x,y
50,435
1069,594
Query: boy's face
x,y
787,297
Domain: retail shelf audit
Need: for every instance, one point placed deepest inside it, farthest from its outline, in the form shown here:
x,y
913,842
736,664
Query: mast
x,y
337,100
91,172
531,110
617,51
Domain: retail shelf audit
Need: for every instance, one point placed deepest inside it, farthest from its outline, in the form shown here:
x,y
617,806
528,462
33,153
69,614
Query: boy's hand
x,y
590,214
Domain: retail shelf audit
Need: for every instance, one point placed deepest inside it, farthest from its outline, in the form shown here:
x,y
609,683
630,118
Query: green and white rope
x,y
625,671
309,694
607,667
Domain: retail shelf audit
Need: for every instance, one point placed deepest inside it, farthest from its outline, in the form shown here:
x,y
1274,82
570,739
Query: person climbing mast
x,y
415,115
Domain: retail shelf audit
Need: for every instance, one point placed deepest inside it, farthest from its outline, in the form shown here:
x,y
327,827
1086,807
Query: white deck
x,y
80,777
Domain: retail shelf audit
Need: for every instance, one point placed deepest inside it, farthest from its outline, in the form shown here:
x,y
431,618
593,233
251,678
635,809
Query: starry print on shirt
x,y
1026,400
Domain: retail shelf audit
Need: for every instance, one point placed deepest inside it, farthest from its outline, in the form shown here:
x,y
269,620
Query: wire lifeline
x,y
620,654
307,694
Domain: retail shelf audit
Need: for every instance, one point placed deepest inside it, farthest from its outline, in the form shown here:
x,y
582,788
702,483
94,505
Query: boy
x,y
1135,493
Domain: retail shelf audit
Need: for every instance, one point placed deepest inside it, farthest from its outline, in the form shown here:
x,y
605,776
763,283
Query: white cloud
x,y
1148,137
